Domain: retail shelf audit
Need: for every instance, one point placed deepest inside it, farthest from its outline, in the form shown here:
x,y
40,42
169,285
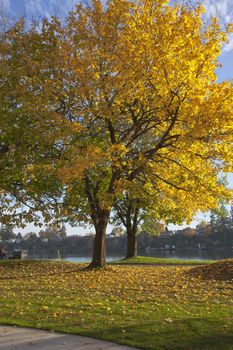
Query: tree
x,y
204,228
125,96
128,212
153,227
189,232
220,219
152,211
53,232
138,212
19,236
6,233
31,236
231,215
117,232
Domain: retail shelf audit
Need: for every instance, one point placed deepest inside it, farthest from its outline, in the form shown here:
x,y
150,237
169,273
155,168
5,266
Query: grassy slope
x,y
161,261
150,307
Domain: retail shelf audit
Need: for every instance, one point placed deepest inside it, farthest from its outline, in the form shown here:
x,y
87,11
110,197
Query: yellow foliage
x,y
122,96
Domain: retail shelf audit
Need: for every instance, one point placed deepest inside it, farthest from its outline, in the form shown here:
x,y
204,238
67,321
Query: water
x,y
213,254
87,259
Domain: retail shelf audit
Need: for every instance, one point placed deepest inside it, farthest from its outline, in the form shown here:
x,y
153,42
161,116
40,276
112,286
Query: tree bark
x,y
131,243
131,228
99,249
100,217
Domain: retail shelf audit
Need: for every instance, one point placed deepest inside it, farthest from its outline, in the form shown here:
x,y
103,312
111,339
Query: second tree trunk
x,y
131,243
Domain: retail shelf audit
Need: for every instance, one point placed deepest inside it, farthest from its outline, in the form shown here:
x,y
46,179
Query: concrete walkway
x,y
16,338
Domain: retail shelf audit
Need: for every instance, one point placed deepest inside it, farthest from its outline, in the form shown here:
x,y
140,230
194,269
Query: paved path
x,y
16,338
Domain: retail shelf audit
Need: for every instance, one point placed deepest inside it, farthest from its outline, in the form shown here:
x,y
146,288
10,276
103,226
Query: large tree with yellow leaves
x,y
121,98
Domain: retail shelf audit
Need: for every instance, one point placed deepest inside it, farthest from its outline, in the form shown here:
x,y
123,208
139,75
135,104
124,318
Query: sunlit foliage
x,y
120,97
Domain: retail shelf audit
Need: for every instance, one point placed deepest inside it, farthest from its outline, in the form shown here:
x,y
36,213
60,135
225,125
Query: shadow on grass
x,y
169,334
180,334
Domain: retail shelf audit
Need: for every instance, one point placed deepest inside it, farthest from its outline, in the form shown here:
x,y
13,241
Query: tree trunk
x,y
99,249
100,219
131,243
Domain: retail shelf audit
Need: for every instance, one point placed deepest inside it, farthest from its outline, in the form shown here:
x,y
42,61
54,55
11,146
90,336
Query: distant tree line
x,y
7,233
146,135
216,234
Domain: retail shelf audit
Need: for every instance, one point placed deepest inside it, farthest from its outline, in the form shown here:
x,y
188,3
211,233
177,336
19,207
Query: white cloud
x,y
65,6
223,10
39,8
34,7
5,5
229,46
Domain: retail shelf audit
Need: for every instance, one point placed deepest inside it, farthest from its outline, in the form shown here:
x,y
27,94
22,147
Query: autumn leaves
x,y
117,102
140,303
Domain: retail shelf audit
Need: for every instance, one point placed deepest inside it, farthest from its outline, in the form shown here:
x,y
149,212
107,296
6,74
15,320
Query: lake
x,y
87,259
196,254
211,254
183,255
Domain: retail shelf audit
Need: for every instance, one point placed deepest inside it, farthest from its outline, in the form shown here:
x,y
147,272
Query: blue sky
x,y
223,9
37,8
41,8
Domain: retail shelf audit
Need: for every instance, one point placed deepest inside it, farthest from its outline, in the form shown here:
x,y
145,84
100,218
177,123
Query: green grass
x,y
161,261
149,307
138,260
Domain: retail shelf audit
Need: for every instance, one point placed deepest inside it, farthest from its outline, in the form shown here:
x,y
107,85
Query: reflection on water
x,y
67,257
181,254
87,259
213,254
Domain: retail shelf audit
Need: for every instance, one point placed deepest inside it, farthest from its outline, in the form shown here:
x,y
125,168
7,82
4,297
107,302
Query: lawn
x,y
150,307
161,261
